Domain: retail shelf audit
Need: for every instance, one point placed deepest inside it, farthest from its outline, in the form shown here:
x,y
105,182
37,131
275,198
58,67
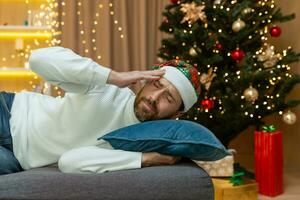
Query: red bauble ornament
x,y
218,46
275,31
237,55
174,1
207,104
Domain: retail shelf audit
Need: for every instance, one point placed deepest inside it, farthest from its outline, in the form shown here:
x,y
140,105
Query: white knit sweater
x,y
46,130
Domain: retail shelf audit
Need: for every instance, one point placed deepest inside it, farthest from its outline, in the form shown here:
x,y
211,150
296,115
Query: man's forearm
x,y
68,70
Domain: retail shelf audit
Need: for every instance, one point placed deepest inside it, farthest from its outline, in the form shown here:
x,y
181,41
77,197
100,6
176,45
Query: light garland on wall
x,y
83,32
94,49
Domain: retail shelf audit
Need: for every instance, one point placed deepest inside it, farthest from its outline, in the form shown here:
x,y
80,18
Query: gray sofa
x,y
182,181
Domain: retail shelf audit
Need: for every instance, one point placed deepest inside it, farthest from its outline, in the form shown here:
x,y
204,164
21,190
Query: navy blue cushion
x,y
171,137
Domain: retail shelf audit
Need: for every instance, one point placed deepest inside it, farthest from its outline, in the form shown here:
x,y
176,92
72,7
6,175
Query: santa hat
x,y
185,78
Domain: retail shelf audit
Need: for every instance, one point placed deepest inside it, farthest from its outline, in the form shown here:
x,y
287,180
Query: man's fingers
x,y
151,77
156,72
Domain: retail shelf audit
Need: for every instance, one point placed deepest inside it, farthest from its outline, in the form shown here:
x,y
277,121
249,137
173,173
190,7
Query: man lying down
x,y
39,130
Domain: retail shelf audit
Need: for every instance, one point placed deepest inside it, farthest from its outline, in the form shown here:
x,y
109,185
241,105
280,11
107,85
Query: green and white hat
x,y
185,78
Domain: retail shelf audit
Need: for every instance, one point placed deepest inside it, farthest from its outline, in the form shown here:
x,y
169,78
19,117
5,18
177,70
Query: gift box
x,y
224,190
218,168
269,161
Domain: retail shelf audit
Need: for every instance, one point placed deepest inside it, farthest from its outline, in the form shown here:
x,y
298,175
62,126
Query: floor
x,y
291,186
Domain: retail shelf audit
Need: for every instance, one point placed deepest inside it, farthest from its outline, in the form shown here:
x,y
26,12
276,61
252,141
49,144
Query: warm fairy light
x,y
95,23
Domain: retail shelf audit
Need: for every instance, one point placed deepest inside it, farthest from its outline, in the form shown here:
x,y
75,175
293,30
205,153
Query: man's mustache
x,y
151,103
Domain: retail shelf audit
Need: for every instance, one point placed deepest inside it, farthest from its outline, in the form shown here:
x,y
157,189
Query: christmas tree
x,y
243,76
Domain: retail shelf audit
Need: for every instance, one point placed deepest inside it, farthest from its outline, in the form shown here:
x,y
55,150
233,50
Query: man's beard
x,y
141,112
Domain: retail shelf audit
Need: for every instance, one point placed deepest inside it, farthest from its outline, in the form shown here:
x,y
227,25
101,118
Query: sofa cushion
x,y
183,180
171,137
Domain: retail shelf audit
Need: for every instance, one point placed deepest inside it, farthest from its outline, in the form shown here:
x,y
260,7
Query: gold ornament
x,y
289,117
251,94
238,25
206,79
193,12
192,52
268,56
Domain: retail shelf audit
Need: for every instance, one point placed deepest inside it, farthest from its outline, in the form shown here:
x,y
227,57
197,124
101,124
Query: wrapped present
x,y
218,168
225,190
269,161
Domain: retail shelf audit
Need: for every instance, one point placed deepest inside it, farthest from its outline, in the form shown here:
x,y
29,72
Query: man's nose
x,y
157,94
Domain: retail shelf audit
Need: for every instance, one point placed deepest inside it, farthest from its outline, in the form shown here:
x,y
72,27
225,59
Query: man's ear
x,y
178,114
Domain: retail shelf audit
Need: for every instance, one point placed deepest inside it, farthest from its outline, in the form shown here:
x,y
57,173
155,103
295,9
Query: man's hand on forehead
x,y
125,79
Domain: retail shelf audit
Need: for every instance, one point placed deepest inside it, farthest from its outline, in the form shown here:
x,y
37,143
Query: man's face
x,y
158,99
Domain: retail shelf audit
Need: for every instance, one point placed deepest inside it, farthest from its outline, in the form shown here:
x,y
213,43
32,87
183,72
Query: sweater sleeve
x,y
94,159
68,70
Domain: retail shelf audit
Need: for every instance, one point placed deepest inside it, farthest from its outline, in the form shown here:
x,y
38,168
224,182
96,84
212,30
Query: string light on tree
x,y
217,2
247,11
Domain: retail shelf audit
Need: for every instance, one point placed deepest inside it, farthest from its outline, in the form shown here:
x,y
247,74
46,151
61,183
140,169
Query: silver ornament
x,y
238,25
250,94
289,117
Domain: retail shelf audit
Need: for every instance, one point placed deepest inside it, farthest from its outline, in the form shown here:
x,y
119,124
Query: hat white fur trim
x,y
182,84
